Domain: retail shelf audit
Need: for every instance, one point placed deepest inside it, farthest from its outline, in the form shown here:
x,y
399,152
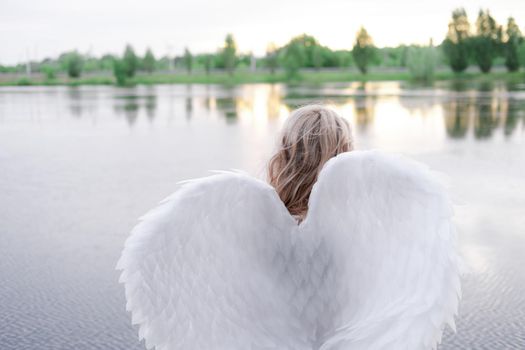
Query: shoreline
x,y
264,77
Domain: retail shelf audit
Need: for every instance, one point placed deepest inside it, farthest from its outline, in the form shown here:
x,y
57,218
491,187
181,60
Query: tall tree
x,y
317,57
293,58
311,48
74,63
229,54
208,63
521,53
120,71
271,58
513,40
148,63
188,60
130,61
106,62
421,62
49,71
363,50
487,41
455,45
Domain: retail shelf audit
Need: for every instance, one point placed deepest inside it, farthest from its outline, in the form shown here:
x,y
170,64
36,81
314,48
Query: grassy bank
x,y
262,77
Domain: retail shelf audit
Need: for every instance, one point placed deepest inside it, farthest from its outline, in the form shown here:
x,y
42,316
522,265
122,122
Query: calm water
x,y
79,165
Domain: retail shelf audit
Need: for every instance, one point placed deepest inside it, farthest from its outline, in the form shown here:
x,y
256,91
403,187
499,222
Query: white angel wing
x,y
222,264
388,223
196,269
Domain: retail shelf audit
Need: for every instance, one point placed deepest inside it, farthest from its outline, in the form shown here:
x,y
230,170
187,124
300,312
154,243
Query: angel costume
x,y
222,265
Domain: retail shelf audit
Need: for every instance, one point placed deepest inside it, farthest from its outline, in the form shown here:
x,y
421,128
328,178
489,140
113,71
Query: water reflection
x,y
364,111
274,102
150,105
465,108
228,107
188,102
131,104
75,105
456,119
485,120
261,104
77,101
456,110
512,119
130,108
482,117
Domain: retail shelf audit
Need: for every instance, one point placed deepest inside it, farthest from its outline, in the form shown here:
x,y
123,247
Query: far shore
x,y
246,77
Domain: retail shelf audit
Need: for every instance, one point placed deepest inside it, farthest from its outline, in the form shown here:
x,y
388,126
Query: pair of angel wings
x,y
221,264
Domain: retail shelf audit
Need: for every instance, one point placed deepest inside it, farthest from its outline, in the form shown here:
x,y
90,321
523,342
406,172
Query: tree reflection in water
x,y
478,110
131,103
482,117
456,119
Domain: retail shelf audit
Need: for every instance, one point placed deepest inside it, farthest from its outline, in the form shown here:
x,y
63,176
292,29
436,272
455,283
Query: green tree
x,y
188,60
324,57
486,43
49,71
514,39
521,53
403,55
148,63
130,61
208,63
271,58
74,63
293,58
106,62
363,50
120,71
229,54
343,58
90,64
456,44
317,57
421,62
311,49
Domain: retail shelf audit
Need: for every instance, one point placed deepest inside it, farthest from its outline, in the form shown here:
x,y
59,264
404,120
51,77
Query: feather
x,y
221,264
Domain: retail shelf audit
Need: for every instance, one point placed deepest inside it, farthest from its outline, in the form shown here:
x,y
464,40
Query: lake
x,y
79,165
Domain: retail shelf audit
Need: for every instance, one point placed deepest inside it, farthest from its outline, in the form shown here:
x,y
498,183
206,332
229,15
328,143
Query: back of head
x,y
310,137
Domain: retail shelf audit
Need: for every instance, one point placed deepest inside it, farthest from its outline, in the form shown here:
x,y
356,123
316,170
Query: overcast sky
x,y
45,28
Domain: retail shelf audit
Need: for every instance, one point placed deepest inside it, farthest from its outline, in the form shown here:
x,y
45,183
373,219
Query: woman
x,y
341,250
311,136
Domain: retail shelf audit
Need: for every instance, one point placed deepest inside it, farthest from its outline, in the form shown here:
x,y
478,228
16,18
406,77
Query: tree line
x,y
487,42
483,44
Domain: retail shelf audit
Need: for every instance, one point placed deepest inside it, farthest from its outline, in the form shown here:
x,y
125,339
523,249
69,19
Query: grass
x,y
243,77
25,81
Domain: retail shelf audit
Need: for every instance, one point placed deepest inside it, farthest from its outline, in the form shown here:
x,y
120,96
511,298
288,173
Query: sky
x,y
36,29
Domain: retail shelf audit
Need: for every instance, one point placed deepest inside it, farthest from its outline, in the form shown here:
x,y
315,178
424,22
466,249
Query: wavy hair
x,y
311,136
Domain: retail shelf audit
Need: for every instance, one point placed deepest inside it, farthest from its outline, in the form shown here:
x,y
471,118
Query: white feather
x,y
221,264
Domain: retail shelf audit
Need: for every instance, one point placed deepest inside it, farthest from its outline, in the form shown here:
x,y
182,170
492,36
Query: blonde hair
x,y
310,137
